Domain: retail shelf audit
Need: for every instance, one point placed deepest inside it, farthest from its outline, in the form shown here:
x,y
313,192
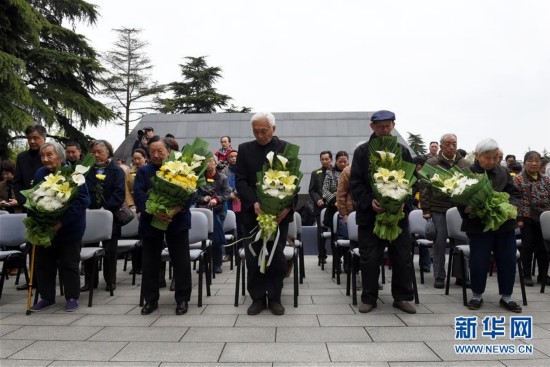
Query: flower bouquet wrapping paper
x,y
277,185
391,181
466,188
48,200
177,180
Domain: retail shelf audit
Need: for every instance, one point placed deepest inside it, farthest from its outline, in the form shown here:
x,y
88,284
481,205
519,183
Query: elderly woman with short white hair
x,y
501,242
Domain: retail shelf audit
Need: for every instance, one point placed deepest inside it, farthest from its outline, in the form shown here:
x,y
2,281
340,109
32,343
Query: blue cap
x,y
382,115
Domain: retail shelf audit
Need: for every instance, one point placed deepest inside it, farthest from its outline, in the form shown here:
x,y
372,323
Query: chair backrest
x,y
131,229
298,221
545,225
454,222
353,228
417,223
209,215
199,227
230,222
322,217
12,230
292,230
4,212
99,226
335,223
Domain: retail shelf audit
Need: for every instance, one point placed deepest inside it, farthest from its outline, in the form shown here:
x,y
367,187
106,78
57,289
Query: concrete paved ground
x,y
325,329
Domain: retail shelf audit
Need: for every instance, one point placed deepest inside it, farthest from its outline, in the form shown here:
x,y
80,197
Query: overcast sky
x,y
476,68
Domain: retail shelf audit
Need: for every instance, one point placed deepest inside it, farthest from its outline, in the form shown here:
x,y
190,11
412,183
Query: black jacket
x,y
360,184
502,181
114,188
316,187
252,157
26,165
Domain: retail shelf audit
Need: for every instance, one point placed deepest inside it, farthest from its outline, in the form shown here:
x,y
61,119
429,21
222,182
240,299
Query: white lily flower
x,y
283,160
177,155
269,157
197,157
80,169
79,179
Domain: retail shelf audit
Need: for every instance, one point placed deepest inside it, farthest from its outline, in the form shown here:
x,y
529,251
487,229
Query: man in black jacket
x,y
316,195
252,156
371,247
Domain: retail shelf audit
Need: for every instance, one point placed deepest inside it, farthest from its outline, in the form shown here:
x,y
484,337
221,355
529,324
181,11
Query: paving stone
x,y
10,347
424,299
170,352
3,315
24,363
428,320
542,345
196,320
267,319
230,334
331,309
117,320
445,350
169,309
103,364
411,333
53,333
526,362
333,364
274,352
203,364
459,309
71,350
6,329
398,351
448,364
321,334
360,320
42,319
137,333
108,309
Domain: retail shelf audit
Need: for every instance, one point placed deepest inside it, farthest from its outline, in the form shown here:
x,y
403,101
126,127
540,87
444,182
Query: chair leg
x,y
134,267
464,295
91,281
415,286
2,277
421,262
243,277
336,260
522,282
353,280
348,275
448,280
238,265
201,269
383,271
61,290
302,264
295,271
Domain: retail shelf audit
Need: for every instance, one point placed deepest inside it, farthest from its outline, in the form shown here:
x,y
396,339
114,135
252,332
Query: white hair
x,y
486,145
59,151
264,115
445,136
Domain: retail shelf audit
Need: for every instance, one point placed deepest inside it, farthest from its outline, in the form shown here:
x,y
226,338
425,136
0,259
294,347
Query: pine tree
x,y
196,94
416,143
127,81
47,72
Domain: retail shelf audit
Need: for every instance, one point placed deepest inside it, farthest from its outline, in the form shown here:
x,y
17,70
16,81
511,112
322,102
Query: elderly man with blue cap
x,y
371,247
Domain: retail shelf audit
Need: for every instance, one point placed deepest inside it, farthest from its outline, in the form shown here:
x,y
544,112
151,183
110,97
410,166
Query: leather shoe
x,y
149,307
404,306
439,283
107,289
510,306
181,308
366,307
276,308
227,258
256,307
529,282
23,287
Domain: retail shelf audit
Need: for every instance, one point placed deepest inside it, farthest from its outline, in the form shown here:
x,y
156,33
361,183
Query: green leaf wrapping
x,y
386,225
492,207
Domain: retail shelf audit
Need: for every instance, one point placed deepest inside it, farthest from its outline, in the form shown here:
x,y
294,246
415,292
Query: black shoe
x,y
149,307
181,308
276,308
439,283
475,304
108,289
162,283
218,269
256,307
426,269
529,282
172,285
460,281
510,306
85,288
22,287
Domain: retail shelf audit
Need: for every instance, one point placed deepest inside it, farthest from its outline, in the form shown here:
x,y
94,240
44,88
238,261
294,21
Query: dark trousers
x,y
532,242
66,255
321,248
270,283
371,250
178,247
503,246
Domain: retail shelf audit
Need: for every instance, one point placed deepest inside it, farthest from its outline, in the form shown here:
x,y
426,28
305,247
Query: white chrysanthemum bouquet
x,y
392,180
466,188
277,185
48,200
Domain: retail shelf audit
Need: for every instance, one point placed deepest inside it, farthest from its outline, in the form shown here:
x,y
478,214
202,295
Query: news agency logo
x,y
493,328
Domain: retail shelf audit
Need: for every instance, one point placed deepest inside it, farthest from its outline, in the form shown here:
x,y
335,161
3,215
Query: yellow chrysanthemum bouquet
x,y
466,188
48,200
277,185
177,180
392,180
